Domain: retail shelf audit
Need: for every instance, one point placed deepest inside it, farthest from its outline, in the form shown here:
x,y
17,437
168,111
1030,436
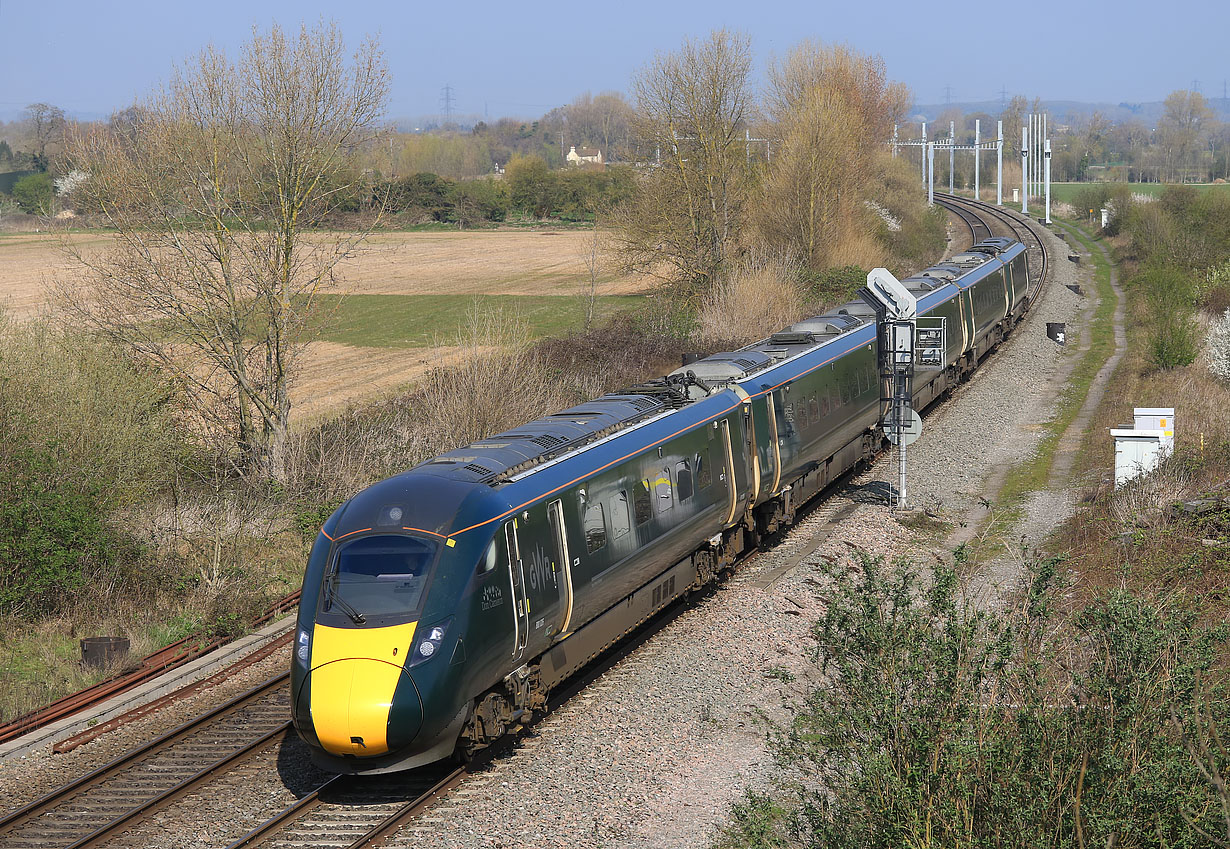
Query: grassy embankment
x,y
1090,710
1031,475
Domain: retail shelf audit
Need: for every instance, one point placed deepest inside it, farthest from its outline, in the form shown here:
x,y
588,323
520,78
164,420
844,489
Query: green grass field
x,y
1065,192
416,321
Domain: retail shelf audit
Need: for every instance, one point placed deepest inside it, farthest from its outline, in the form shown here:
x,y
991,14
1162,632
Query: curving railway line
x,y
344,811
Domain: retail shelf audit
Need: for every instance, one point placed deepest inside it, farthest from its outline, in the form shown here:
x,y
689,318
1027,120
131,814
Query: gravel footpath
x,y
654,751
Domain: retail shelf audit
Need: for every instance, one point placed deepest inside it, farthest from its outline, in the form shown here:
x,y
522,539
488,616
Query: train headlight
x,y
303,646
429,644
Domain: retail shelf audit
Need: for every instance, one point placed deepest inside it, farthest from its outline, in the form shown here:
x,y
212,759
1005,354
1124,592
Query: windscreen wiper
x,y
333,597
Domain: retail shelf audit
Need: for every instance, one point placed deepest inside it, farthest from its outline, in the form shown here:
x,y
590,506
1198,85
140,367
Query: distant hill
x,y
1066,111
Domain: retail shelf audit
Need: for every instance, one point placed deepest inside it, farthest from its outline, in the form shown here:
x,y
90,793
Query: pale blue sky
x,y
524,58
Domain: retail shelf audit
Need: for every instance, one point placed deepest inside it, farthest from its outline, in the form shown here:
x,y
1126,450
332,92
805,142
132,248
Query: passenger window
x,y
594,525
683,477
619,515
643,509
703,478
662,489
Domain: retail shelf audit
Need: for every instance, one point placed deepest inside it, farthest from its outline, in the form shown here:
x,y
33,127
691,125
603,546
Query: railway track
x,y
975,214
346,811
131,788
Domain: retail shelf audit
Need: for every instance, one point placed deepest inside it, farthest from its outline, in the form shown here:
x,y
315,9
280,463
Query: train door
x,y
728,472
559,540
751,450
516,576
774,406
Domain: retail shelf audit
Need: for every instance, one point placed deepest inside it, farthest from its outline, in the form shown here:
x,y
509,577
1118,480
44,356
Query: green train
x,y
440,607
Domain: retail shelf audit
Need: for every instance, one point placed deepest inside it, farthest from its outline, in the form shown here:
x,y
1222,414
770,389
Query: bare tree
x,y
212,187
47,125
831,108
692,109
1185,120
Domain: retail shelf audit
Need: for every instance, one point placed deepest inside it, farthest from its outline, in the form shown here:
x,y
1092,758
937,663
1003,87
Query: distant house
x,y
584,156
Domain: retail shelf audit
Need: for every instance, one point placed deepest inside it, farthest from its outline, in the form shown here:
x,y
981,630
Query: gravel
x,y
654,751
26,778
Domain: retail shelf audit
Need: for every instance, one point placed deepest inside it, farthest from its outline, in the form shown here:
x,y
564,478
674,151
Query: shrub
x,y
82,435
54,537
33,193
1116,197
830,287
940,724
1174,336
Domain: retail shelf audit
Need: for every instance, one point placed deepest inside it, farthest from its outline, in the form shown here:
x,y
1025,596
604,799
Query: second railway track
x,y
93,808
344,811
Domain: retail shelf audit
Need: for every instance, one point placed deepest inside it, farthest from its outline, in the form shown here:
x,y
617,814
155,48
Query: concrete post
x,y
930,173
977,157
999,165
1046,179
1025,169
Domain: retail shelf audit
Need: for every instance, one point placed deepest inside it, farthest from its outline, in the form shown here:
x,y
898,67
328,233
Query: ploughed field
x,y
401,302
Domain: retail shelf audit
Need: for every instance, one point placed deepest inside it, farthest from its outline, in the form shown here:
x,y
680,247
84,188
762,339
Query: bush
x,y
54,537
939,724
1174,337
82,436
33,193
830,287
1115,197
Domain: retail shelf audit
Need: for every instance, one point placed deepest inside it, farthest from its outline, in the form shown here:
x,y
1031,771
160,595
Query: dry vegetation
x,y
1135,535
755,298
330,375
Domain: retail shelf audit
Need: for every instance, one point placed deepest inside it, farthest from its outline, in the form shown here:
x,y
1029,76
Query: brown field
x,y
499,262
491,262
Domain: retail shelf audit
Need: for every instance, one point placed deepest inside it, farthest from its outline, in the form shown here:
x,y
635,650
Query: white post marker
x,y
1025,170
930,173
999,165
977,156
1046,170
952,151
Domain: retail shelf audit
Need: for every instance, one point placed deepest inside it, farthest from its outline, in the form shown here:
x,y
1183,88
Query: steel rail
x,y
50,804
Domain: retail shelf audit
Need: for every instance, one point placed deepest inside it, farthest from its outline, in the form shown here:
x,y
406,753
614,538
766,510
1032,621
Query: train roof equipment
x,y
508,456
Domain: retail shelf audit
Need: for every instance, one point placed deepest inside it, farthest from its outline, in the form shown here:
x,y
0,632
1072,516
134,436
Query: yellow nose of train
x,y
355,673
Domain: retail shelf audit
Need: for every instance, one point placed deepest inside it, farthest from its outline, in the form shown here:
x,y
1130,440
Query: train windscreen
x,y
379,578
